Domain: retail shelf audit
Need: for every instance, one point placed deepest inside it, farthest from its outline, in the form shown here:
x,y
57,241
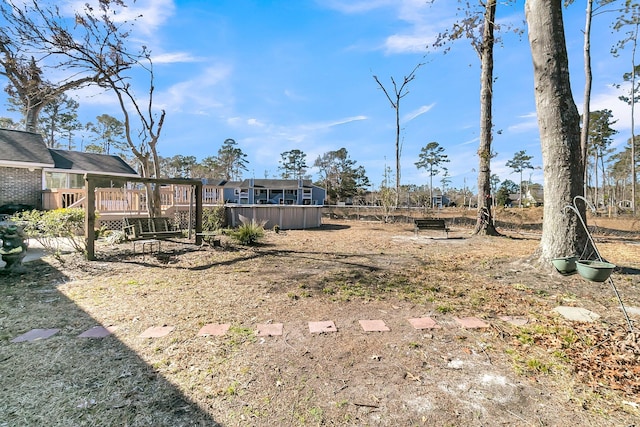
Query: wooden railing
x,y
129,200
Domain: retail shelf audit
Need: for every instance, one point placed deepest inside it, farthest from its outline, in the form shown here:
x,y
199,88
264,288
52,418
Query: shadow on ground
x,y
68,381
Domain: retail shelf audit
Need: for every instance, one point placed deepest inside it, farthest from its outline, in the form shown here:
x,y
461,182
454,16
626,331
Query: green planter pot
x,y
595,271
566,265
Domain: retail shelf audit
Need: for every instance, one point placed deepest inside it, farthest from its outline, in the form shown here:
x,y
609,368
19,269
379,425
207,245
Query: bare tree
x,y
399,92
33,39
559,124
478,26
95,48
588,79
485,224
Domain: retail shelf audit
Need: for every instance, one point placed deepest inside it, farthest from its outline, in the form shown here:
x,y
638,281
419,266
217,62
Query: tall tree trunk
x,y
559,124
484,224
431,187
595,177
398,153
604,180
588,78
633,125
31,118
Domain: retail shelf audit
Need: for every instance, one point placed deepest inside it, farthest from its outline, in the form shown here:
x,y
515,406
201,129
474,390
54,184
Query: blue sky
x,y
277,75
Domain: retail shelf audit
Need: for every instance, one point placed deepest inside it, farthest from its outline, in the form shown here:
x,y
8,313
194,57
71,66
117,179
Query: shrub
x,y
114,237
55,229
249,232
213,219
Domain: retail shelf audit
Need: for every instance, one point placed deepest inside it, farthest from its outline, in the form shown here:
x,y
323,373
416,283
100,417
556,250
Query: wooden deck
x,y
129,201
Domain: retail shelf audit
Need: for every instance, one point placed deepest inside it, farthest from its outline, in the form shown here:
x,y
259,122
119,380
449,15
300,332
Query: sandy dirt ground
x,y
546,371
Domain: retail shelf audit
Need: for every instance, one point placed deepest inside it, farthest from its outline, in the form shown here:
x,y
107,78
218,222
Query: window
x,y
63,180
76,180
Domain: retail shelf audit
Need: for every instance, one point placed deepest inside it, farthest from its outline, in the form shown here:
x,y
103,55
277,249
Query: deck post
x,y
198,195
90,217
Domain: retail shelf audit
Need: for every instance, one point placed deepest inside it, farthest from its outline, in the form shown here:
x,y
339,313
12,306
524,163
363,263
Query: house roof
x,y
79,162
26,149
216,182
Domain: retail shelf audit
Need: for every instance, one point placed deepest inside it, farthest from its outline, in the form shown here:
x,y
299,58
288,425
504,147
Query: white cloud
x,y
174,57
319,126
293,95
148,14
95,96
527,122
262,136
234,121
471,141
202,93
255,122
350,6
425,20
345,121
408,43
608,99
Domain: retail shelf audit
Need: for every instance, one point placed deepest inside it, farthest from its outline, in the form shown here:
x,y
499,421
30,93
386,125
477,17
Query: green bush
x,y
55,229
213,219
249,232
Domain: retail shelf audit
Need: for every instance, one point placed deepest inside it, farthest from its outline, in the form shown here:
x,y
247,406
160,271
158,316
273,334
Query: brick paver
x,y
423,323
276,329
471,322
214,329
35,335
322,327
98,332
270,329
374,326
157,332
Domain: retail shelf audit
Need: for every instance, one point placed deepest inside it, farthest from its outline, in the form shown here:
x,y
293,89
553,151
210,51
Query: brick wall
x,y
19,185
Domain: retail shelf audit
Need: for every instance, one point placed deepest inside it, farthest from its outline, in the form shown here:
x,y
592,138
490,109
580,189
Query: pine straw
x,y
344,272
607,358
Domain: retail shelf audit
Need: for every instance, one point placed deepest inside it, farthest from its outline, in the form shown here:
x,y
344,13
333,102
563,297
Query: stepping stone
x,y
423,323
214,329
322,327
98,332
515,320
35,335
576,314
269,329
374,326
471,322
157,332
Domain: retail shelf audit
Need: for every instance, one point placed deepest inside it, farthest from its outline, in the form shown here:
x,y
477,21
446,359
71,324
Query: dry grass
x,y
345,271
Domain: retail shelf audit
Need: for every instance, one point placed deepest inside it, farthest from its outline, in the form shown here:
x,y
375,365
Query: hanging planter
x,y
565,265
595,271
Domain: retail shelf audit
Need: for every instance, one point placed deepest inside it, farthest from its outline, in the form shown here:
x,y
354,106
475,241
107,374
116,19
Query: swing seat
x,y
136,228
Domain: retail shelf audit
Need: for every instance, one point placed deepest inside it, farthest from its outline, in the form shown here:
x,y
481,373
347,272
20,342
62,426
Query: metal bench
x,y
136,228
430,224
